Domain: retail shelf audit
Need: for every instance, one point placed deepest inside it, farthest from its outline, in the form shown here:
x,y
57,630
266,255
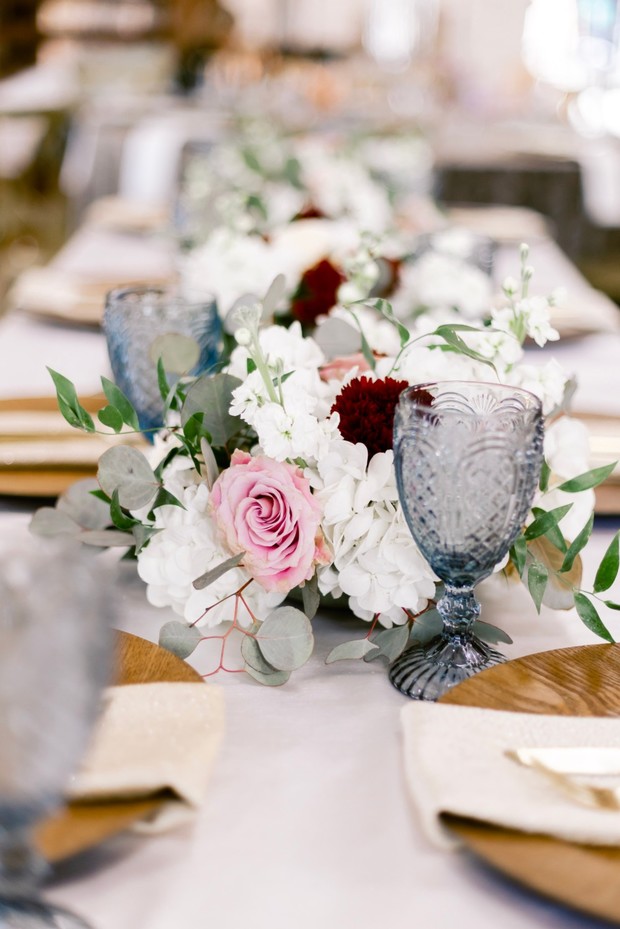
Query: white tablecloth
x,y
307,821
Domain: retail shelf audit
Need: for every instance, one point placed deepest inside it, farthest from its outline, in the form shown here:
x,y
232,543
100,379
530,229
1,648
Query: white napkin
x,y
150,738
455,763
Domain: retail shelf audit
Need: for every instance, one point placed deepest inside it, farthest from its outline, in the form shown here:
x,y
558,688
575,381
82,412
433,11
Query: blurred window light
x,y
396,31
572,44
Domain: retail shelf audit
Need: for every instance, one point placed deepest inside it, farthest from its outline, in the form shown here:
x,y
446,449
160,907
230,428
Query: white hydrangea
x,y
185,547
375,560
440,281
229,265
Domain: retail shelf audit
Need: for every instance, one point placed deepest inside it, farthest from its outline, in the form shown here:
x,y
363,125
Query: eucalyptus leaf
x,y
310,596
537,578
546,520
590,618
179,353
337,337
274,295
545,474
390,643
110,416
126,470
611,604
448,334
117,399
142,534
578,544
179,638
270,680
106,538
120,519
553,533
426,627
358,648
285,638
560,590
518,554
209,577
211,396
49,522
162,381
608,568
210,471
68,403
587,480
80,503
489,633
253,656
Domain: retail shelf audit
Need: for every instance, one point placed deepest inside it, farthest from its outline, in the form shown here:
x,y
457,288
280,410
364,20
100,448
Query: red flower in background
x,y
366,411
316,293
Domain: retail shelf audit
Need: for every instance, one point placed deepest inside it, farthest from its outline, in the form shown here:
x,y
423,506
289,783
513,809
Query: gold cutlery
x,y
562,767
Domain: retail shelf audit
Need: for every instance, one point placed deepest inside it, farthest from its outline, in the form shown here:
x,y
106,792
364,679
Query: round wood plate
x,y
582,681
81,826
43,482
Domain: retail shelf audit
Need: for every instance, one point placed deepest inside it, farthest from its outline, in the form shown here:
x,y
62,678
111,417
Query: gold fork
x,y
602,798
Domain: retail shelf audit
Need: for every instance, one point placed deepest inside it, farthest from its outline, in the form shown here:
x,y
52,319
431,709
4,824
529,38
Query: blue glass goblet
x,y
136,321
468,459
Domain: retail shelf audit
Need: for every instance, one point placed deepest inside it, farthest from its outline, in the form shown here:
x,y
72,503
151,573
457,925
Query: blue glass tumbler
x,y
135,321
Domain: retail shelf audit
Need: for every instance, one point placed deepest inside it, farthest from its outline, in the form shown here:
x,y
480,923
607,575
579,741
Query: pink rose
x,y
265,509
337,368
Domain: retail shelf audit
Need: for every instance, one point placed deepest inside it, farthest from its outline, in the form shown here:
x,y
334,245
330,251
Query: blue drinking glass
x,y
468,459
135,321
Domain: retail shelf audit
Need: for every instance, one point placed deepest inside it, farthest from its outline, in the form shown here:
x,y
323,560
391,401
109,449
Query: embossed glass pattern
x,y
468,459
134,319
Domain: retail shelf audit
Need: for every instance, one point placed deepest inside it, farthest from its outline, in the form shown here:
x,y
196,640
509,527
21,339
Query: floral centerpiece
x,y
276,473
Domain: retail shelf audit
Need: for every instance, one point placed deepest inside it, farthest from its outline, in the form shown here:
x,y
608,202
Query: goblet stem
x,y
22,869
459,610
425,672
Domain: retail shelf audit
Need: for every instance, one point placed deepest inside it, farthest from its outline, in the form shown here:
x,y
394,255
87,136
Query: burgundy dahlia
x,y
366,411
316,293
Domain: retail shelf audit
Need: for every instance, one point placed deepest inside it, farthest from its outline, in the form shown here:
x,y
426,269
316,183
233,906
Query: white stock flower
x,y
277,342
567,451
185,547
547,382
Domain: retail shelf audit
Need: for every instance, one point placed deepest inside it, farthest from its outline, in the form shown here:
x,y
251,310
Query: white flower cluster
x,y
375,560
294,425
185,547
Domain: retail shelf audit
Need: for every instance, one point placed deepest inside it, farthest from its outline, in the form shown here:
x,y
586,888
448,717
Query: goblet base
x,y
23,913
425,672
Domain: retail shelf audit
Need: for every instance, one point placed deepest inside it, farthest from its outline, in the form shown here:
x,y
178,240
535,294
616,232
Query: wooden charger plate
x,y
81,826
43,482
582,681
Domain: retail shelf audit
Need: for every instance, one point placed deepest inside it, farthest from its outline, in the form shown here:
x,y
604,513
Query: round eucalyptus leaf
x,y
78,502
254,657
126,470
107,538
179,638
271,680
358,648
50,522
179,353
285,638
